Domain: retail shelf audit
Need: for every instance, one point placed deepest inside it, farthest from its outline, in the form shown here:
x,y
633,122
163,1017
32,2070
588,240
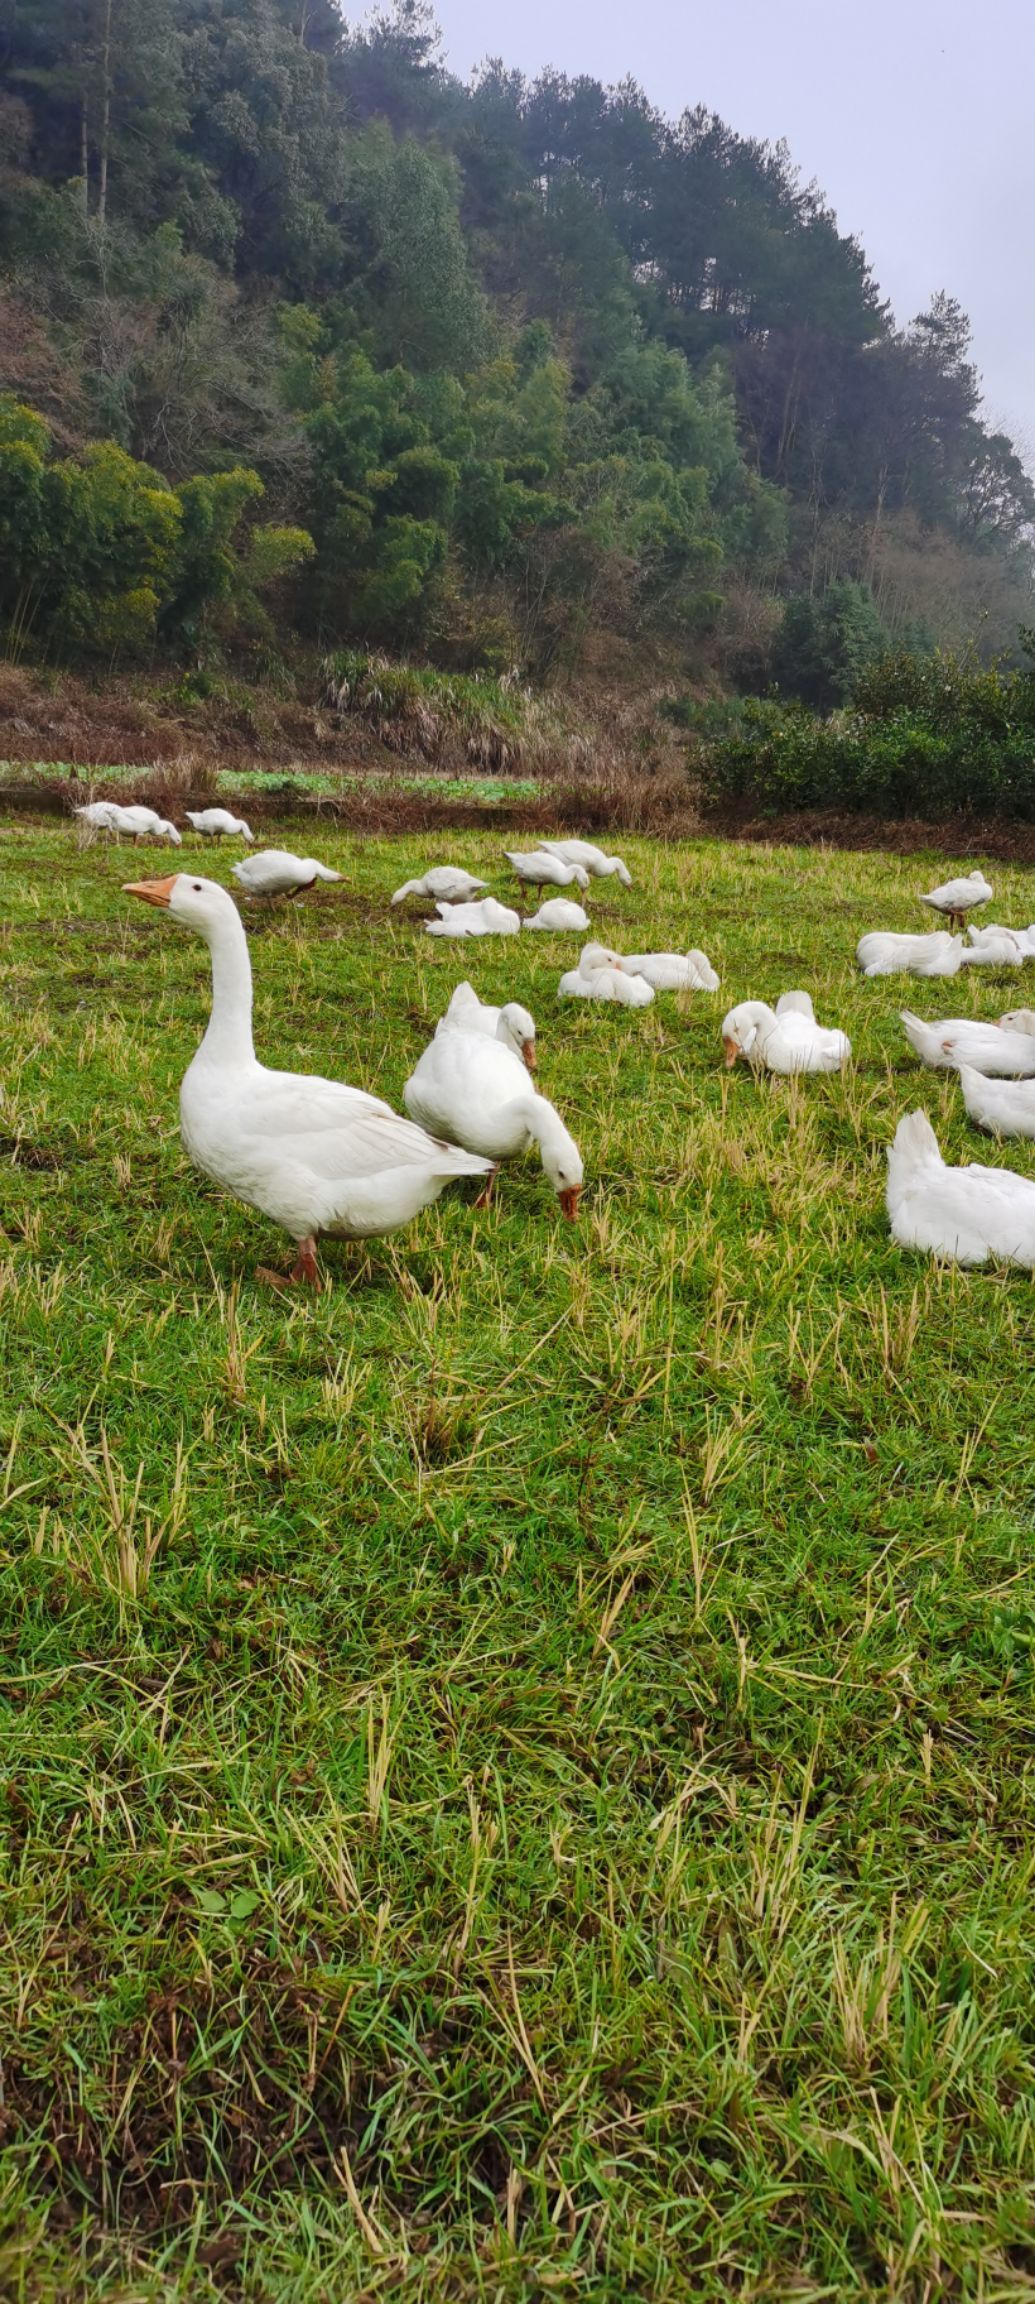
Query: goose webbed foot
x,y
304,1271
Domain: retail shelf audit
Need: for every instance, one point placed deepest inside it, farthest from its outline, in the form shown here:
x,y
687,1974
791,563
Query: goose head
x,y
517,1031
198,904
593,956
740,1028
561,1158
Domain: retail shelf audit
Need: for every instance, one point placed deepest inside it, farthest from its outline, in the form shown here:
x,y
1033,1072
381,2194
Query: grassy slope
x,y
566,1783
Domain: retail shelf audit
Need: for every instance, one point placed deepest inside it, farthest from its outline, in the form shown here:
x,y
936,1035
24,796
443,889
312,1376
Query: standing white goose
x,y
785,1039
315,1155
446,880
475,1090
673,971
276,872
1000,1051
593,860
955,898
218,824
966,1214
883,953
544,871
511,1024
489,918
138,822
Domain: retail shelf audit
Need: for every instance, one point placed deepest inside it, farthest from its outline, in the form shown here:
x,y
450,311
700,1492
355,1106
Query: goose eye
x,y
197,887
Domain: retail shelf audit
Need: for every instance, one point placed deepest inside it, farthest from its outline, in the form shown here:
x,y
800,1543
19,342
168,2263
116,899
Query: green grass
x,y
517,1773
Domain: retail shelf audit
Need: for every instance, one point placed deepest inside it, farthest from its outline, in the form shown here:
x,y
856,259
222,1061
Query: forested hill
x,y
504,374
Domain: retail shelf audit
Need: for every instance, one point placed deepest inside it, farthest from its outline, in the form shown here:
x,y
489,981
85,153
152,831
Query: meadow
x,y
516,1776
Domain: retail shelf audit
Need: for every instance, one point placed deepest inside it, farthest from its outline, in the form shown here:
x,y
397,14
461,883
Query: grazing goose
x,y
138,822
966,1214
543,870
489,918
475,1091
1004,1107
446,880
673,971
276,872
601,975
593,860
885,954
786,1038
955,898
998,1050
217,823
511,1024
315,1156
558,912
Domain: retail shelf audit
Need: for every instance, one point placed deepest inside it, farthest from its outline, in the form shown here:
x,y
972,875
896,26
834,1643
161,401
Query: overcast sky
x,y
916,117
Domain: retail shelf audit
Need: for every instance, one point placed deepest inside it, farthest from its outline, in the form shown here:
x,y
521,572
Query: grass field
x,y
517,1773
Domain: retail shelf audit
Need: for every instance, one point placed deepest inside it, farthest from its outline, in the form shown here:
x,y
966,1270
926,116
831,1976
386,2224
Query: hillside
x,y
303,342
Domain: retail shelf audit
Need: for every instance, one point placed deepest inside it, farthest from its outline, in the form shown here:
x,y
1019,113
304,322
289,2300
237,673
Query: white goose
x,y
882,953
1004,1107
138,822
1000,1051
1025,937
785,1039
994,948
593,860
476,1091
218,824
966,1214
276,872
601,975
447,880
955,898
559,912
543,870
314,1155
673,971
489,918
511,1024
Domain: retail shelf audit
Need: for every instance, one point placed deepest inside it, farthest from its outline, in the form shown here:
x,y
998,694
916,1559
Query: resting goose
x,y
993,948
489,918
601,975
476,1091
276,872
138,822
673,971
593,860
543,870
559,912
446,880
314,1155
885,954
512,1025
997,1050
955,898
1024,938
1004,1107
784,1039
967,1214
217,823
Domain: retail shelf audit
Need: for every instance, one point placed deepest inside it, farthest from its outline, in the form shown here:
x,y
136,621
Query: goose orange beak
x,y
569,1200
528,1052
152,891
732,1053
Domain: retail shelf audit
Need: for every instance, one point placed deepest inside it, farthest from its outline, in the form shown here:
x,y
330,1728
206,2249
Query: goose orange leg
x,y
304,1269
484,1199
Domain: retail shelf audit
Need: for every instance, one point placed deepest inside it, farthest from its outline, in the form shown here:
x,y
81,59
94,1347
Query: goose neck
x,y
228,1039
